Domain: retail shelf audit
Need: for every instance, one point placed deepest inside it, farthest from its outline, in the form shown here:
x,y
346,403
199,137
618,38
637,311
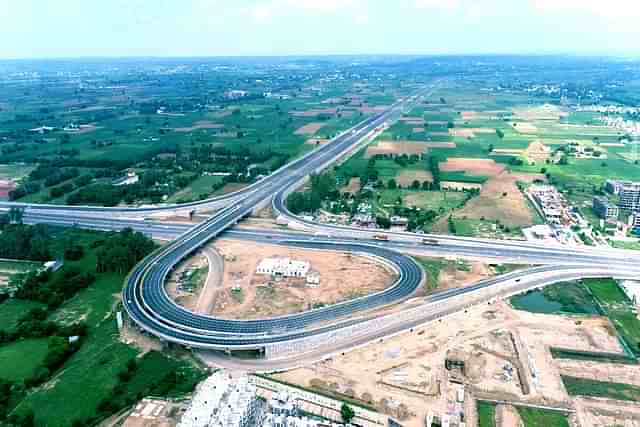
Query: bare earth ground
x,y
406,177
537,151
459,186
317,141
524,127
231,187
611,372
154,413
343,276
494,341
85,129
593,412
353,186
313,112
542,112
396,147
309,129
181,297
507,416
373,110
202,124
469,132
478,167
413,120
452,277
492,204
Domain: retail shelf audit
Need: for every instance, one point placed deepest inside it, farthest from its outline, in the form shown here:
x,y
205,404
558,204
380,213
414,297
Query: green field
x,y
439,201
16,171
486,414
20,359
619,309
12,310
634,246
200,188
90,374
532,417
586,387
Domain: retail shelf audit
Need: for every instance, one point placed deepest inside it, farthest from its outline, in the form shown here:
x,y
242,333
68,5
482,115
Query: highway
x,y
150,307
498,250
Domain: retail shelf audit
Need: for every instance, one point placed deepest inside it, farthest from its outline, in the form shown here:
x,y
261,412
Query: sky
x,y
115,28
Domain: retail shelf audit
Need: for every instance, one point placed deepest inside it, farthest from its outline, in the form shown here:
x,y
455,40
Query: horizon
x,y
284,28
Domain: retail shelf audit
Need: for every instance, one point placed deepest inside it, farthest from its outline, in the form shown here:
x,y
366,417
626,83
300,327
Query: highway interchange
x,y
150,307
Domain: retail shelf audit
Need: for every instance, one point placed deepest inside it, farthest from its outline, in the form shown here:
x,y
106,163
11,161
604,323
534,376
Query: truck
x,y
429,242
382,237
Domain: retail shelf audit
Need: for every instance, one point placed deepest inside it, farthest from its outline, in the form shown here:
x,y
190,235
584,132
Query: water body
x,y
536,302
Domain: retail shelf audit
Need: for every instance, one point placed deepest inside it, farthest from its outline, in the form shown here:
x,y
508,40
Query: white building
x,y
313,279
221,401
631,288
283,267
272,420
130,178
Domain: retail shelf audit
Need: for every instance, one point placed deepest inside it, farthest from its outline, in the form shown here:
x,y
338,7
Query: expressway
x,y
500,250
149,306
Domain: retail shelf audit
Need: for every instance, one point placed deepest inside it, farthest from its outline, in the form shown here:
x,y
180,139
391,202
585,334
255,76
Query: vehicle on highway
x,y
433,242
383,237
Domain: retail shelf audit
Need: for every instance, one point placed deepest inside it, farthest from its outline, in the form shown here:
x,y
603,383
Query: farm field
x,y
95,366
20,360
68,147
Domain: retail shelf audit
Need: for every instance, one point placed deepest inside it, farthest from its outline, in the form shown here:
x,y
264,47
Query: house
x,y
313,279
53,266
130,178
283,267
42,129
399,223
236,94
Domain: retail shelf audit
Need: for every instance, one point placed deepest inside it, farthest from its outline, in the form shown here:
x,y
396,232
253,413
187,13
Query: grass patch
x,y
12,310
486,414
634,246
201,188
619,309
432,267
586,387
533,417
90,375
19,360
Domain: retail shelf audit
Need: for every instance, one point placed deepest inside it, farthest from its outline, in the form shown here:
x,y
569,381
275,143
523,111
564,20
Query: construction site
x,y
437,373
241,280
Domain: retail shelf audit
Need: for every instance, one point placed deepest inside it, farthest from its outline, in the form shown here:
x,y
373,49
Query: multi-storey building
x,y
605,209
629,196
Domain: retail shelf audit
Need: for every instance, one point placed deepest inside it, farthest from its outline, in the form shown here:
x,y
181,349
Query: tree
x,y
415,185
500,133
347,413
16,215
383,222
391,184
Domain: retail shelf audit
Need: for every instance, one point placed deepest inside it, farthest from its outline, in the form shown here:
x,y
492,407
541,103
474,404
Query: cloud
x,y
616,9
266,10
437,4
